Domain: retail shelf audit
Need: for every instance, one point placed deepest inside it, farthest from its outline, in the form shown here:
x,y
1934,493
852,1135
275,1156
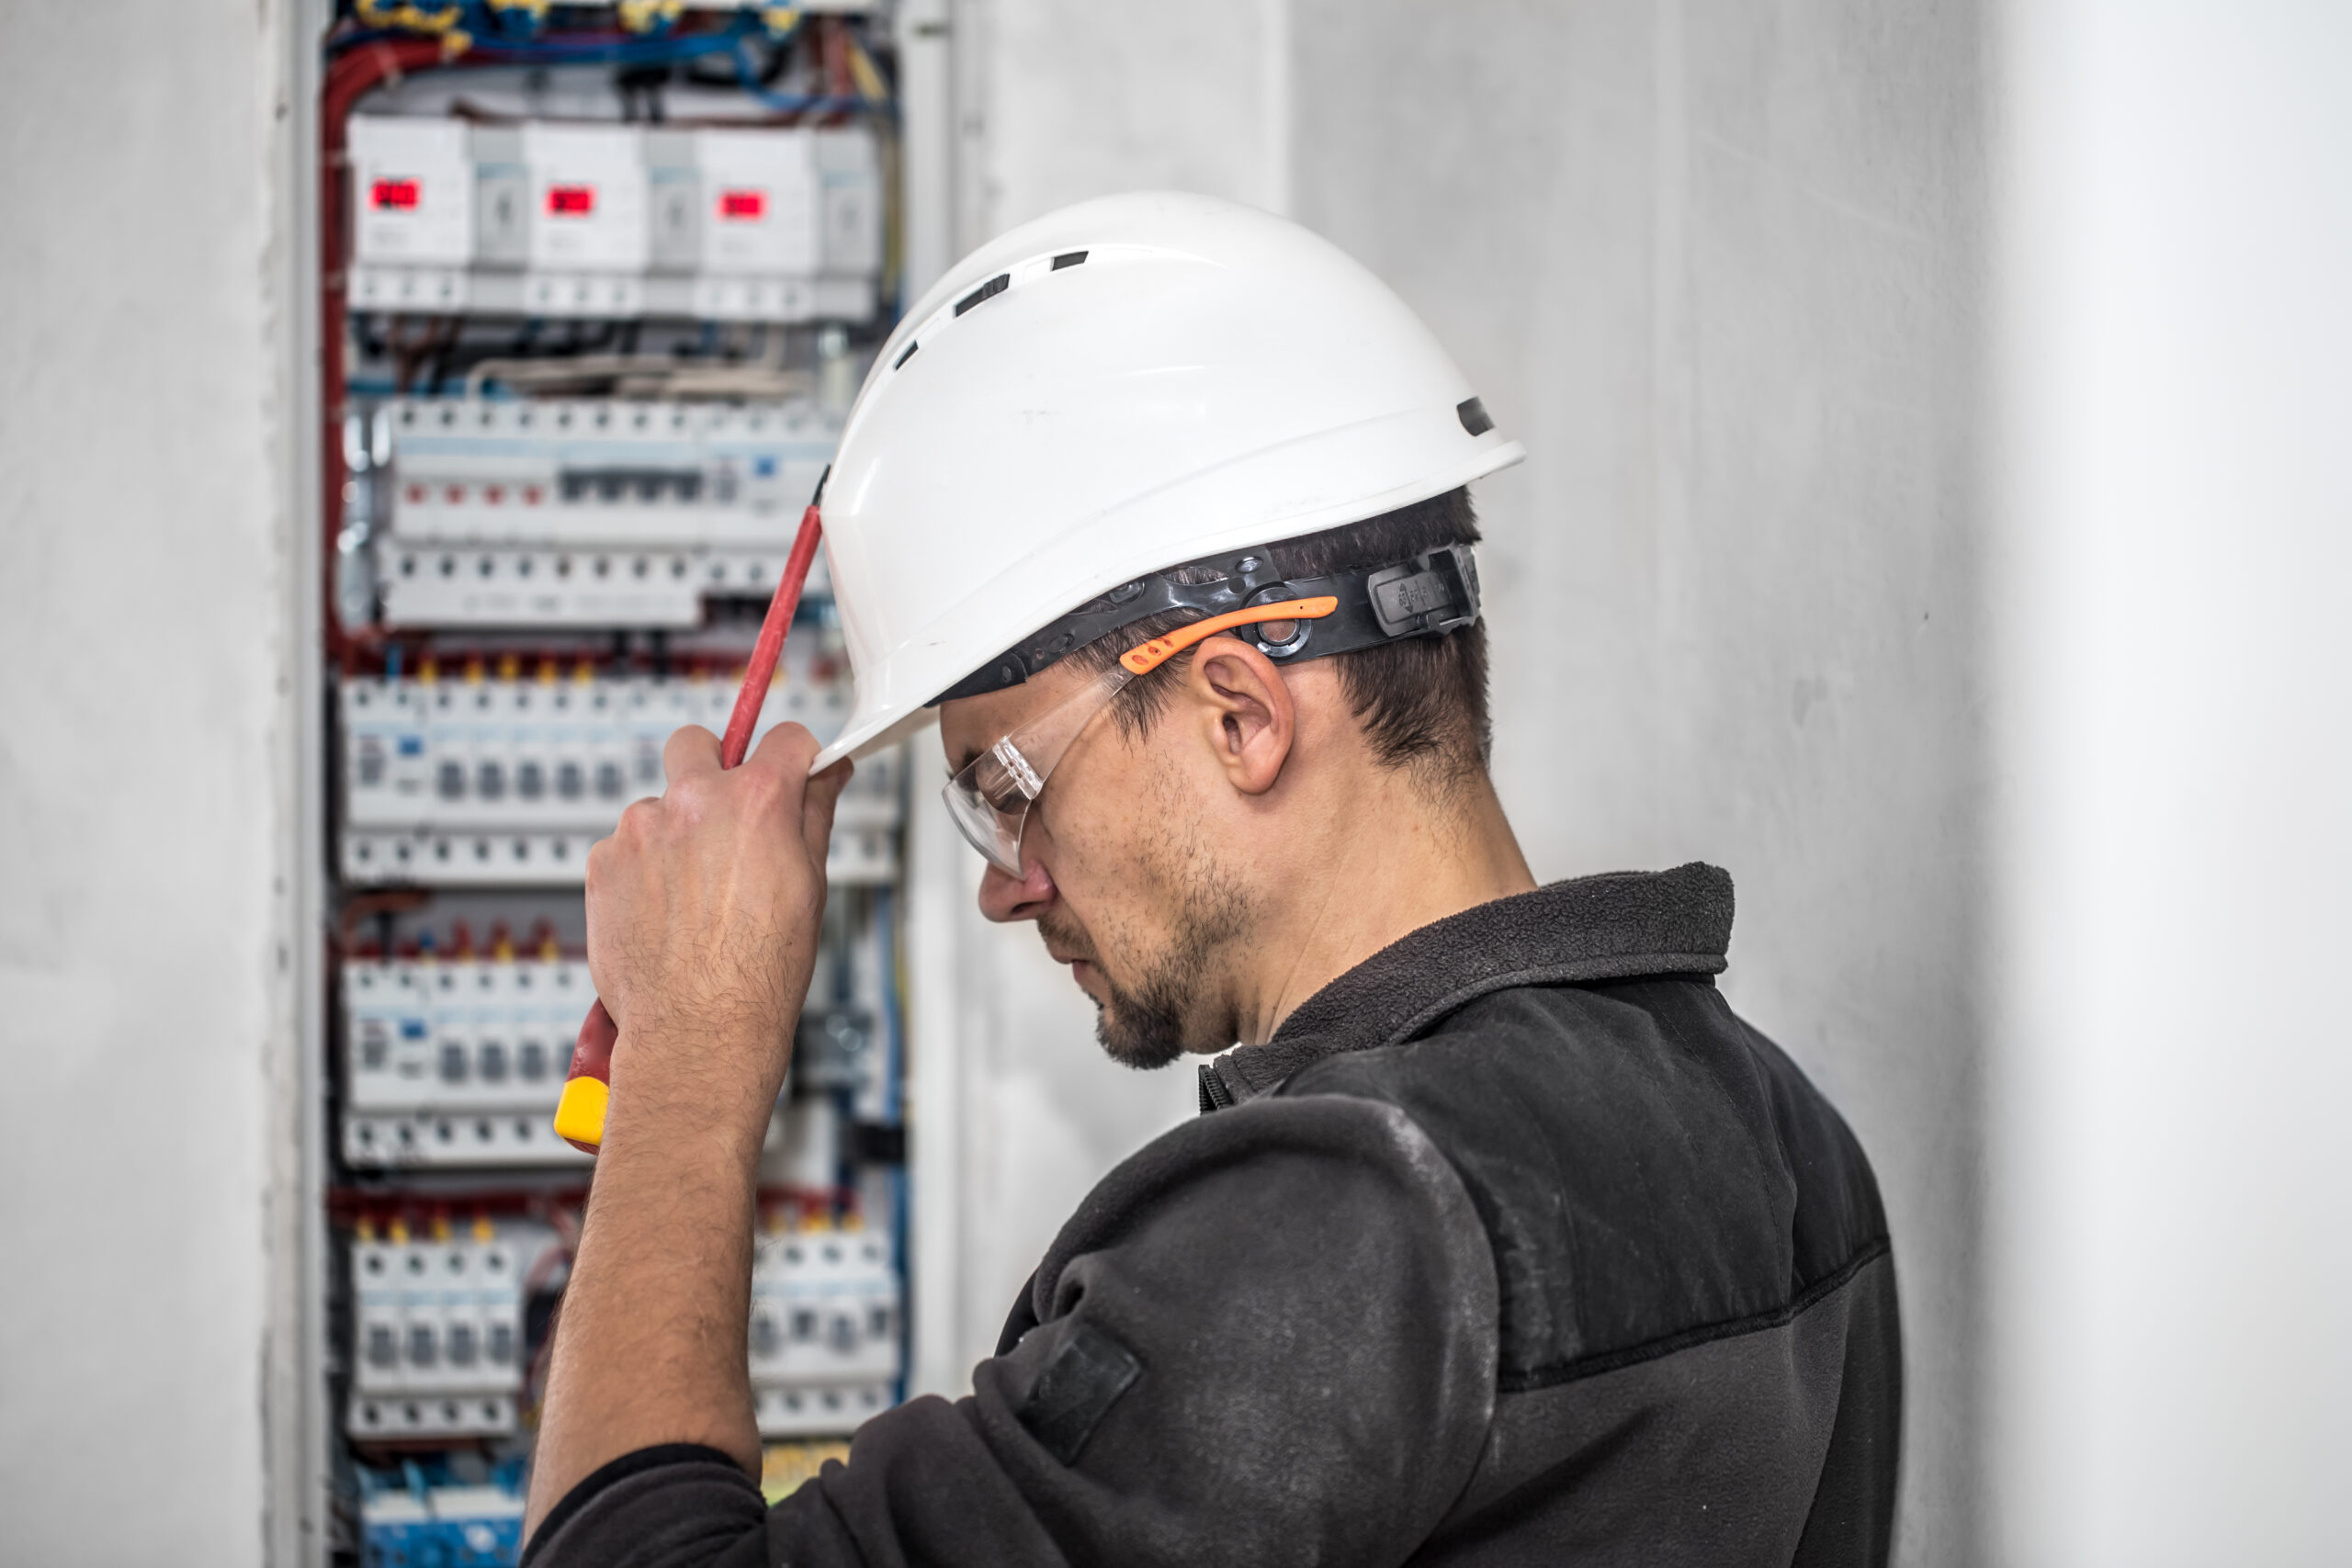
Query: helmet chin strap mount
x,y
1422,595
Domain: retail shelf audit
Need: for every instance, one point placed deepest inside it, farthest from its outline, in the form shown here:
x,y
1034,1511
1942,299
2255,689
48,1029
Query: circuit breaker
x,y
588,236
437,1329
412,189
824,1338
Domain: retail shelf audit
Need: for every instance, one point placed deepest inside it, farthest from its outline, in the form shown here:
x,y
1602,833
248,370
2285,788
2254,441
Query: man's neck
x,y
1393,856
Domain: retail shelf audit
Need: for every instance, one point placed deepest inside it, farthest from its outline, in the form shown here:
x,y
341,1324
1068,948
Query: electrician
x,y
1500,1239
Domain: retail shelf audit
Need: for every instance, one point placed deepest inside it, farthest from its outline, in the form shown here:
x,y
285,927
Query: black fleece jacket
x,y
1514,1245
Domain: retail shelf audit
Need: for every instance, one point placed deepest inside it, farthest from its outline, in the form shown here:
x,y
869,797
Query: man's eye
x,y
996,786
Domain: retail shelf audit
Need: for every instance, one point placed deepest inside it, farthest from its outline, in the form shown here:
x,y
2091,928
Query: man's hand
x,y
703,914
702,918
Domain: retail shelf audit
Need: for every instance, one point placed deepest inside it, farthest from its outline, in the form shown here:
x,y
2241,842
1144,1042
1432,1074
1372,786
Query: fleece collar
x,y
1613,927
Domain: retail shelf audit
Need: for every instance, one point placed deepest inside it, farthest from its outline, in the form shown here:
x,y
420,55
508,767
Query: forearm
x,y
649,1345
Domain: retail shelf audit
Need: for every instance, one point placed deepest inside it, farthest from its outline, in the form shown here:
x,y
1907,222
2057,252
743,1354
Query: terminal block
x,y
442,1527
861,857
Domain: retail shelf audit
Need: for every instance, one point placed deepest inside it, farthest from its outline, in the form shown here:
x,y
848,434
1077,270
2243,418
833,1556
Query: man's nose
x,y
1023,897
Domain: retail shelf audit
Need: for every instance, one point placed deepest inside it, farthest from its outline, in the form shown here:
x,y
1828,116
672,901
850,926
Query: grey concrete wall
x,y
145,818
1719,264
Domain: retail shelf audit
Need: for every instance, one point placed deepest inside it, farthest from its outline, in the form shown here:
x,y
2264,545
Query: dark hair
x,y
1421,700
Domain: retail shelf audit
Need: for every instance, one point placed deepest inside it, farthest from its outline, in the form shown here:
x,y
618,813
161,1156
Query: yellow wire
x,y
415,19
644,16
861,72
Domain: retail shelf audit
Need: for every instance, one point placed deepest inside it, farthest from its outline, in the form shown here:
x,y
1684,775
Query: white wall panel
x,y
2173,1201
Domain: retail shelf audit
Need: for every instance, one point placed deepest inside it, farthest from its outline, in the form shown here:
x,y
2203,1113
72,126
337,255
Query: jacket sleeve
x,y
1267,1338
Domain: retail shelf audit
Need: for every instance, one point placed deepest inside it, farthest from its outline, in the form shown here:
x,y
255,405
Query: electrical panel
x,y
597,291
616,221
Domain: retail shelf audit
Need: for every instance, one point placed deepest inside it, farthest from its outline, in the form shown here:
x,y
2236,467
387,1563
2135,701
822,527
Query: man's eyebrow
x,y
957,763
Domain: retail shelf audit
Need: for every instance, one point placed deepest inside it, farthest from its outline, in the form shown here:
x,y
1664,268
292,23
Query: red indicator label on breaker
x,y
571,201
743,204
392,196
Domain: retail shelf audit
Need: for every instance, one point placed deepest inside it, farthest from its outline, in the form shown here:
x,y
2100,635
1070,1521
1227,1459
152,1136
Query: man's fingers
x,y
788,749
691,750
817,807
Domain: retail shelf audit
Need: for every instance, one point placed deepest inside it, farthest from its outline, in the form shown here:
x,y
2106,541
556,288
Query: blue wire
x,y
747,78
884,918
498,47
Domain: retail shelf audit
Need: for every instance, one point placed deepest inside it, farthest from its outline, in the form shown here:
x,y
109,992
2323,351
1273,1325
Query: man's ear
x,y
1245,711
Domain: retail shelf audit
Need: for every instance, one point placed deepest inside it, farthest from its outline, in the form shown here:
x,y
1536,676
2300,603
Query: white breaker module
x,y
754,224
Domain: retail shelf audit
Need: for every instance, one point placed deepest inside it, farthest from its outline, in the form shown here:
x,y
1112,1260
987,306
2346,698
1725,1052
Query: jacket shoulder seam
x,y
1583,1367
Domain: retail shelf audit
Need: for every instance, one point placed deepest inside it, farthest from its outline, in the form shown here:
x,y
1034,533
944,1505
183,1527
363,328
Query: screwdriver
x,y
579,1114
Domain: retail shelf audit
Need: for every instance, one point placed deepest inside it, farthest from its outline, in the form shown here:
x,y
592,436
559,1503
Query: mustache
x,y
1067,938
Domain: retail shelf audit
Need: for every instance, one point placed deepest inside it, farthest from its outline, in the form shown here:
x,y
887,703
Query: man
x,y
1500,1239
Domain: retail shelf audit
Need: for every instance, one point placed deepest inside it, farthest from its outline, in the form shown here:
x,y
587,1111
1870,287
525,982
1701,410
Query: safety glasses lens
x,y
989,799
989,809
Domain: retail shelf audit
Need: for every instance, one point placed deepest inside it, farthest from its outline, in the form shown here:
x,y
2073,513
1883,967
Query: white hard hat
x,y
1113,390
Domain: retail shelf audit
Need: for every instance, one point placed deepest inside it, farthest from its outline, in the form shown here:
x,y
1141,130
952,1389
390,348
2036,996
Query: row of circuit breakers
x,y
601,221
459,1060
591,512
507,781
439,1329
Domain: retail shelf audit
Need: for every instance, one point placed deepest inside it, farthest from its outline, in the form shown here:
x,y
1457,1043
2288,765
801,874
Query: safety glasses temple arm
x,y
1143,657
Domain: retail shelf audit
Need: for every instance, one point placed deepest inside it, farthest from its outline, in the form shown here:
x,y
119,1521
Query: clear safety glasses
x,y
989,799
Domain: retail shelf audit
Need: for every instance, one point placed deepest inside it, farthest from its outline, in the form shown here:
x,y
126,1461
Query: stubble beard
x,y
1168,1010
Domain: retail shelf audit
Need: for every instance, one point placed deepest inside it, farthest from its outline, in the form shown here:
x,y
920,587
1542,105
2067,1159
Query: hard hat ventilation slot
x,y
1069,258
899,362
1472,414
989,290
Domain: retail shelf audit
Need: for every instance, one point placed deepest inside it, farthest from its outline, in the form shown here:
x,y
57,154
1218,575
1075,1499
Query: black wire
x,y
441,356
640,87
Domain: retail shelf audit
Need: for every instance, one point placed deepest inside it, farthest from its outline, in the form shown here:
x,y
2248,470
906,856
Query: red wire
x,y
348,79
